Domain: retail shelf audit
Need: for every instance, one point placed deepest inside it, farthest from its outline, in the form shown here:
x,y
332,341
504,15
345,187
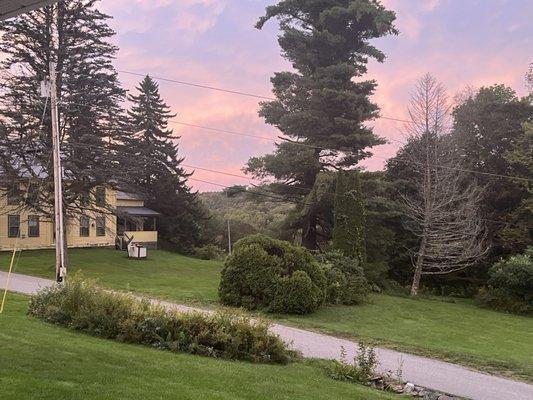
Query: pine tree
x,y
154,162
349,210
320,104
76,36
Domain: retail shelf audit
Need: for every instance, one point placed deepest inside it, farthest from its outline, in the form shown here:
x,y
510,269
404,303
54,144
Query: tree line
x,y
108,137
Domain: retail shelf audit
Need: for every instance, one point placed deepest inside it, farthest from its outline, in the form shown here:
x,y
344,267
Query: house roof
x,y
12,8
127,196
136,211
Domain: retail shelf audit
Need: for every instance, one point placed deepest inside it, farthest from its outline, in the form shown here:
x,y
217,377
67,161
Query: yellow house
x,y
129,221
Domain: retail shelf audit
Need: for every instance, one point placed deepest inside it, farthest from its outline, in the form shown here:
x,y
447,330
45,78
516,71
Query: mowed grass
x,y
164,274
42,361
459,332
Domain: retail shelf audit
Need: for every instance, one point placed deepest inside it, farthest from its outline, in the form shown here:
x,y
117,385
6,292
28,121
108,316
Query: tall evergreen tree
x,y
76,36
320,104
154,162
349,210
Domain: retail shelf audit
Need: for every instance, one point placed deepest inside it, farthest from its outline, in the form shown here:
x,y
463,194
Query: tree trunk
x,y
418,268
309,231
309,236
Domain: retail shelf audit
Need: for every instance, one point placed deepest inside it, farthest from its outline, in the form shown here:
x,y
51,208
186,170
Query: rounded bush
x,y
297,294
346,282
272,275
510,285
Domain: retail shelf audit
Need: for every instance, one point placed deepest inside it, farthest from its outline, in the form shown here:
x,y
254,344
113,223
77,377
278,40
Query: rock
x,y
445,397
409,387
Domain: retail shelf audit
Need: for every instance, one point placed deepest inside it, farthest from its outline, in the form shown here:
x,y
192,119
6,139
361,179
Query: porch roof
x,y
12,8
136,212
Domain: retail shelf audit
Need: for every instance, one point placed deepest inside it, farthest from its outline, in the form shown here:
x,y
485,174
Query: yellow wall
x,y
130,203
143,236
46,238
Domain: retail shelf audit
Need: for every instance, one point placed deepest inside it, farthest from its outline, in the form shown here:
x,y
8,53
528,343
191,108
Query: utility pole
x,y
229,226
61,267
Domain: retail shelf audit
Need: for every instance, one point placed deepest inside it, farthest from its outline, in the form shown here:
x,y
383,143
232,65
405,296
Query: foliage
x,y
209,252
248,213
320,104
81,305
349,211
152,159
510,285
362,369
89,96
95,369
419,326
273,275
383,229
488,128
345,279
296,294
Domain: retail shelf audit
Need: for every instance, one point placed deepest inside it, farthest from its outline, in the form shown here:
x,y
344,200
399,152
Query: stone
x,y
409,387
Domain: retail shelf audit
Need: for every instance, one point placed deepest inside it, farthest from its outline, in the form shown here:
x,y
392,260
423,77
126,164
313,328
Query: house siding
x,y
46,234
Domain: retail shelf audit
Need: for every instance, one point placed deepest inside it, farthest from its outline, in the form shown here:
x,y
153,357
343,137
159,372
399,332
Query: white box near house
x,y
136,250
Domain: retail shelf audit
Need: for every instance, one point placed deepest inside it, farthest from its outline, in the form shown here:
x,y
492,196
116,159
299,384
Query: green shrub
x,y
82,306
345,279
360,371
297,294
209,252
510,285
272,275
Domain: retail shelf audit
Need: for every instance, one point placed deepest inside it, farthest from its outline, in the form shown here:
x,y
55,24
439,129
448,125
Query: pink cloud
x,y
190,50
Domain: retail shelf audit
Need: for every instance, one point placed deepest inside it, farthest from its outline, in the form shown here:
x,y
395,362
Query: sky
x,y
213,42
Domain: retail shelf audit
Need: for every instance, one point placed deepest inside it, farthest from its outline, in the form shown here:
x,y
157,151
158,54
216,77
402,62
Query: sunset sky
x,y
213,42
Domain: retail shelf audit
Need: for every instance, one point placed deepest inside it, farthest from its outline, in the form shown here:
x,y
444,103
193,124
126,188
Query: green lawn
x,y
42,361
458,331
164,274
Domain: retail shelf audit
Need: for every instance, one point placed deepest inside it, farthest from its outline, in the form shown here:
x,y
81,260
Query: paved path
x,y
434,374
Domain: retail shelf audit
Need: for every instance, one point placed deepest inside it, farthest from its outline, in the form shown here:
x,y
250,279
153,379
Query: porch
x,y
137,225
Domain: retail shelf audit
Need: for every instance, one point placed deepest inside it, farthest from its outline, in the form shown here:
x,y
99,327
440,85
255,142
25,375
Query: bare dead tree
x,y
529,78
443,209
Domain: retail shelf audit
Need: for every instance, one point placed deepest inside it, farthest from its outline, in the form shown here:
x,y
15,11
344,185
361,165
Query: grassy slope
x,y
164,274
459,332
38,360
455,331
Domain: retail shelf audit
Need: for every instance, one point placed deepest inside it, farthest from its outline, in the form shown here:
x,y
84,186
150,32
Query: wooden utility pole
x,y
61,267
229,226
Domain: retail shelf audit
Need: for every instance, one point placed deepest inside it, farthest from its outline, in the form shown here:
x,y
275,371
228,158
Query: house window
x,y
13,226
13,195
84,226
100,226
33,226
84,199
33,195
100,196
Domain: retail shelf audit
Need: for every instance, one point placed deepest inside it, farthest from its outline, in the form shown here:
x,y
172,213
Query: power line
x,y
199,85
224,131
280,199
374,155
276,196
237,92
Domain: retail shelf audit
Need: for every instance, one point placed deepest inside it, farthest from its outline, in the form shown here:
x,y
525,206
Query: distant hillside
x,y
247,214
